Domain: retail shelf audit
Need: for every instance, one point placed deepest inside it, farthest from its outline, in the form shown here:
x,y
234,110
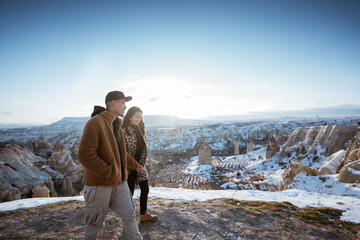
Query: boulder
x,y
40,190
62,161
331,164
67,188
293,169
49,184
350,173
69,182
74,148
350,154
282,139
353,156
51,172
42,147
272,148
13,152
249,146
8,192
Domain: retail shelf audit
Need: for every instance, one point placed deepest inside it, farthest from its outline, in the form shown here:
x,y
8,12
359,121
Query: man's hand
x,y
139,169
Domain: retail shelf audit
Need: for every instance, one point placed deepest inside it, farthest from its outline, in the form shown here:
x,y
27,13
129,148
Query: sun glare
x,y
167,96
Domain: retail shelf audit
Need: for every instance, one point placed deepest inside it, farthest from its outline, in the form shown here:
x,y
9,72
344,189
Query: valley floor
x,y
213,219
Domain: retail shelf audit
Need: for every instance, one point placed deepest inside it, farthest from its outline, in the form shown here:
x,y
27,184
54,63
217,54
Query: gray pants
x,y
98,199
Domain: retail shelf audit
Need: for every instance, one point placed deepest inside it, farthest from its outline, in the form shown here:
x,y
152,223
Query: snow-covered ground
x,y
232,172
245,167
299,198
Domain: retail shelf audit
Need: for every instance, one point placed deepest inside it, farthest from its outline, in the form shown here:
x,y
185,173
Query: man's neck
x,y
112,112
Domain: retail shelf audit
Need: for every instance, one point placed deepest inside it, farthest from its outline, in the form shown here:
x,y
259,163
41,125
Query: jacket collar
x,y
109,117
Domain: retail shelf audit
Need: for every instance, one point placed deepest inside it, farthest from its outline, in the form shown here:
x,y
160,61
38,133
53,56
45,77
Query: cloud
x,y
7,113
13,102
154,99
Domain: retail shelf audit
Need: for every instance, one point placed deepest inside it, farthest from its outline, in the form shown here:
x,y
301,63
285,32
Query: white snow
x,y
325,184
299,198
354,171
334,161
202,170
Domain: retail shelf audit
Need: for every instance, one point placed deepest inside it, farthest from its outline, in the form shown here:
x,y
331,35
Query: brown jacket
x,y
98,152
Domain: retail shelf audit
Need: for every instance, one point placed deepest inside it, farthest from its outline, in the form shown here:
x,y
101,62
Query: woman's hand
x,y
139,169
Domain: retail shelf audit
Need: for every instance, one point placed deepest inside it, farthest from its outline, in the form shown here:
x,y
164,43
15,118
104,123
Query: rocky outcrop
x,y
324,140
17,173
204,155
62,162
13,152
353,151
42,147
67,188
236,149
74,148
331,164
272,148
40,190
8,192
249,146
339,138
350,173
293,169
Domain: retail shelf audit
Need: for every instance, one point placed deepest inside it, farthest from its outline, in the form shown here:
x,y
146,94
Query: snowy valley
x,y
311,155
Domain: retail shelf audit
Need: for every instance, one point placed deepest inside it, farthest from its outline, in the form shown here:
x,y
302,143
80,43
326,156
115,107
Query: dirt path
x,y
218,219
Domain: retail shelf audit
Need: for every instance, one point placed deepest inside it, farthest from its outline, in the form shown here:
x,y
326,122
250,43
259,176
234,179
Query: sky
x,y
299,198
188,58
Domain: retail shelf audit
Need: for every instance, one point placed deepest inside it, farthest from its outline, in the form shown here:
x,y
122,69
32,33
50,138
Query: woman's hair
x,y
128,116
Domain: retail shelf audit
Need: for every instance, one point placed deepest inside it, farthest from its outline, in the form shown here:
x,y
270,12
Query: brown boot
x,y
147,217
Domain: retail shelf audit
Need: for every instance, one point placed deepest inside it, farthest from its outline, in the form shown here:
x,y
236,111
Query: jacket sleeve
x,y
88,152
131,162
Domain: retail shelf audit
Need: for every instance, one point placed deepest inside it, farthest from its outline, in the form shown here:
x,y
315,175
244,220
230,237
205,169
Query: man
x,y
102,153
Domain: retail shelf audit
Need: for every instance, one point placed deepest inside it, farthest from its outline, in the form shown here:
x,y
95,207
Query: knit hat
x,y
116,95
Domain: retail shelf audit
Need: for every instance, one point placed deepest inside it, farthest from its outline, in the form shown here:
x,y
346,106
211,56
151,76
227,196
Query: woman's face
x,y
136,118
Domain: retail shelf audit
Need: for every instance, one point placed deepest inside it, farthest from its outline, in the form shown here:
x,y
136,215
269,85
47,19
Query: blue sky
x,y
184,58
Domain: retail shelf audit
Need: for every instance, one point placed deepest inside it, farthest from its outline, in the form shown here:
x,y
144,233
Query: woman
x,y
135,138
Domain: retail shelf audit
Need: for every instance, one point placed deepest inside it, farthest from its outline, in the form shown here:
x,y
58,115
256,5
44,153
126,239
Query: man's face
x,y
119,107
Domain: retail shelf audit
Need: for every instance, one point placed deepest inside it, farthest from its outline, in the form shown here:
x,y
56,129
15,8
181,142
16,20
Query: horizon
x,y
259,116
189,59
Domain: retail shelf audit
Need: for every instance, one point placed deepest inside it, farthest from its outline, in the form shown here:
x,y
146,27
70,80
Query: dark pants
x,y
144,190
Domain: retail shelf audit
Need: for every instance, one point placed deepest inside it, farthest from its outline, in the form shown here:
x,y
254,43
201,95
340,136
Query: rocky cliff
x,y
25,174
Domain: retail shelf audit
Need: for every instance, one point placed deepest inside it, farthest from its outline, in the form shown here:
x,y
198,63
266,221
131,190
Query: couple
x,y
108,147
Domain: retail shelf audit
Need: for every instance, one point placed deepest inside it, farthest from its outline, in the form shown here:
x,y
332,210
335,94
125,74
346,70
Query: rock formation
x,y
42,147
67,188
324,140
352,150
8,192
236,149
272,148
74,148
204,155
331,164
17,173
293,169
250,146
350,173
62,161
40,190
